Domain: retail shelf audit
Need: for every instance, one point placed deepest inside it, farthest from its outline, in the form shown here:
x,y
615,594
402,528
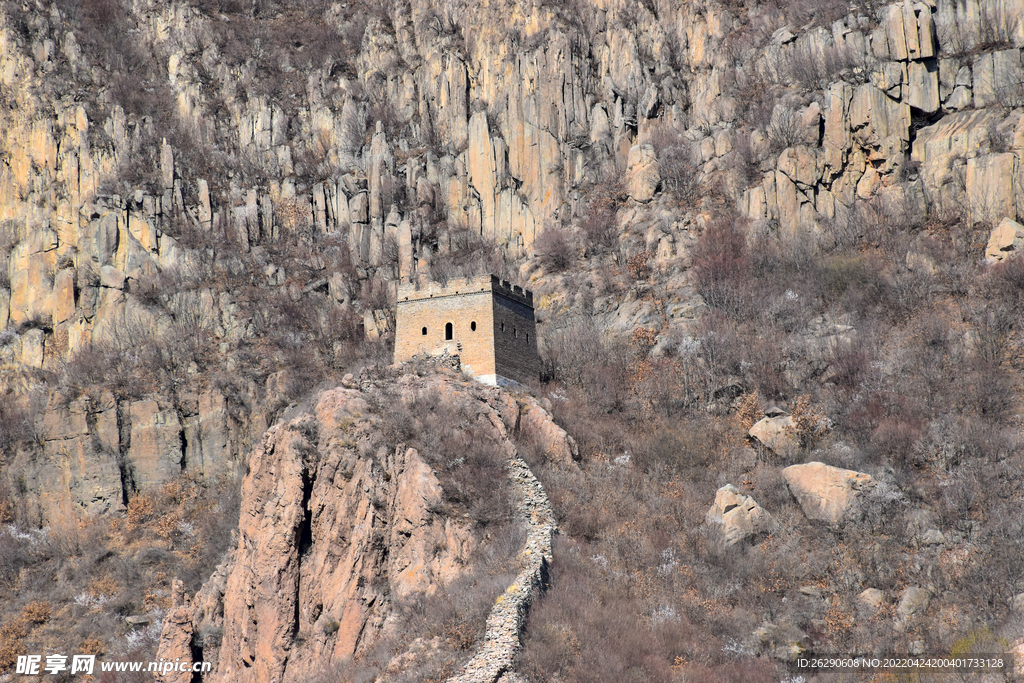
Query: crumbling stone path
x,y
494,658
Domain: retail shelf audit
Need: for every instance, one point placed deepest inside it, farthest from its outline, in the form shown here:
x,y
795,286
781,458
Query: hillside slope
x,y
344,535
760,235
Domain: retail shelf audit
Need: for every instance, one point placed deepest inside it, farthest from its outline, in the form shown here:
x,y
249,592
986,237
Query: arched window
x,y
472,326
424,332
503,326
527,337
514,333
448,331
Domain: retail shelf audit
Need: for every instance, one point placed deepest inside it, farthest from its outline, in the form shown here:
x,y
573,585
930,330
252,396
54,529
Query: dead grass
x,y
110,568
901,398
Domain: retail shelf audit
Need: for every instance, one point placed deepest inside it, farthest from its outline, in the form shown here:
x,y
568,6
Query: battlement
x,y
465,287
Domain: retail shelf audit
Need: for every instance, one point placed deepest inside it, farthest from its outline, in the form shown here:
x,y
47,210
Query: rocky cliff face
x,y
921,104
93,453
340,526
494,117
205,206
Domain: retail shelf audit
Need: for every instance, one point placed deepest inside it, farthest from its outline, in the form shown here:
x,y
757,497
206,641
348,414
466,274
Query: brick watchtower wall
x,y
487,322
515,333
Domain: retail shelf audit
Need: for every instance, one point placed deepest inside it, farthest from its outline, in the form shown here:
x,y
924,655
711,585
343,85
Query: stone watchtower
x,y
488,323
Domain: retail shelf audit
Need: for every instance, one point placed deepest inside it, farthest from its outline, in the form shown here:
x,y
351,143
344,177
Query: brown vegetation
x,y
932,413
109,569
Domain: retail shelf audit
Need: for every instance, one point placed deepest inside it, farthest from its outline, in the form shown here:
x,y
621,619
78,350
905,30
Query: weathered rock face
x,y
642,176
915,61
778,434
535,421
735,515
96,451
337,524
913,602
826,493
1005,241
78,472
500,131
326,532
176,639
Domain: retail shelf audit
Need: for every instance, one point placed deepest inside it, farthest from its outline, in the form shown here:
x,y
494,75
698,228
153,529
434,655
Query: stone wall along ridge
x,y
494,658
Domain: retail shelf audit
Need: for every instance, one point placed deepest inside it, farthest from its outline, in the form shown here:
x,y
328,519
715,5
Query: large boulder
x,y
783,641
1006,240
871,599
913,602
735,515
826,493
777,434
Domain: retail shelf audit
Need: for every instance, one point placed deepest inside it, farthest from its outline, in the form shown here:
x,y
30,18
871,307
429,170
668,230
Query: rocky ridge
x,y
331,540
130,221
494,659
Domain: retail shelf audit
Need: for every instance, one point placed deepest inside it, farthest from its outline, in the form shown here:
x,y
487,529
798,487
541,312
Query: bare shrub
x,y
668,387
12,636
37,611
468,460
192,332
809,421
755,96
848,362
128,359
15,422
678,449
554,248
8,240
315,161
784,130
462,252
587,628
983,388
896,439
458,612
14,556
722,264
676,163
638,266
600,222
993,324
721,348
574,351
810,70
375,294
745,161
855,279
1004,284
994,29
1009,85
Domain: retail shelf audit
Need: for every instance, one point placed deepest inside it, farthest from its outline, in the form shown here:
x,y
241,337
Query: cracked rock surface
x,y
338,524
